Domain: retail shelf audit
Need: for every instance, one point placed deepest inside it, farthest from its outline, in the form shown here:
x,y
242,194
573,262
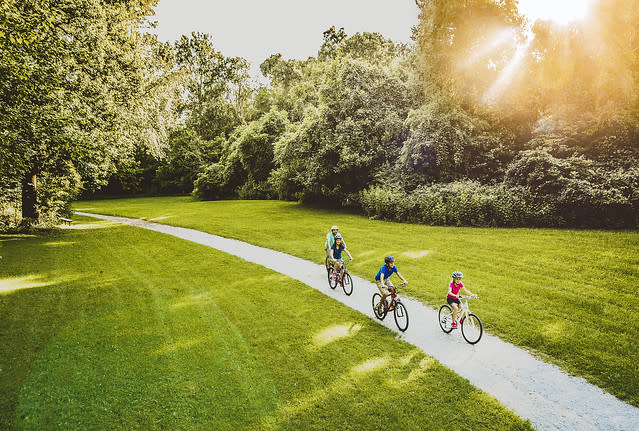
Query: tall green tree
x,y
70,71
214,86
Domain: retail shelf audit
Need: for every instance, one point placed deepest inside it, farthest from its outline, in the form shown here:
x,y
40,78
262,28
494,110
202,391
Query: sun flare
x,y
558,11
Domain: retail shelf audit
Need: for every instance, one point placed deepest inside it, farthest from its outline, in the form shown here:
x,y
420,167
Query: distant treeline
x,y
475,123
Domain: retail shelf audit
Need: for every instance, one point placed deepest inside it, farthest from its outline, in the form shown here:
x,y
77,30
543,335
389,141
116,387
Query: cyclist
x,y
330,239
453,295
336,256
382,277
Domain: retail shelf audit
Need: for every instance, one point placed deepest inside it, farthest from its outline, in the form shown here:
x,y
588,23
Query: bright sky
x,y
255,29
560,11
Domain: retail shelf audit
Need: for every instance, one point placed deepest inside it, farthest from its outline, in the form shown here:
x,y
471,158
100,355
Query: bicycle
x,y
471,327
394,304
346,281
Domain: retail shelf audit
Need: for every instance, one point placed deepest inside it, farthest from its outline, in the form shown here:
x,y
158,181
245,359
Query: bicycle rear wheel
x,y
401,316
347,284
446,318
378,308
332,281
472,328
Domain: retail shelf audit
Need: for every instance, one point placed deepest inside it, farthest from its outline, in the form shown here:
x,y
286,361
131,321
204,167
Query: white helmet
x,y
334,228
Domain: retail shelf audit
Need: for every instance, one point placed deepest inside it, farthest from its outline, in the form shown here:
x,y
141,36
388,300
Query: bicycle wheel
x,y
378,308
446,318
332,281
348,284
472,329
401,316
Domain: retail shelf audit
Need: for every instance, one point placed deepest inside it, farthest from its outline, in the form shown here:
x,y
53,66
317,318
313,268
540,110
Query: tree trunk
x,y
29,196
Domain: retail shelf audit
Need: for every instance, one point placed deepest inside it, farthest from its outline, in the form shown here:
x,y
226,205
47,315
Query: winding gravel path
x,y
533,389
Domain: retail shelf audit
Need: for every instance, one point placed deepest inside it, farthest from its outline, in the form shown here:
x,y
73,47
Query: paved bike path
x,y
533,389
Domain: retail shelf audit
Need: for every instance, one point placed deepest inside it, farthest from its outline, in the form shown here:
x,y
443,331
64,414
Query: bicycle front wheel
x,y
472,328
332,281
401,316
378,307
347,284
446,318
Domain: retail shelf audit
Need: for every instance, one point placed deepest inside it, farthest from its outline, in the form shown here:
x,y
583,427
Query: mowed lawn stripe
x,y
118,327
568,295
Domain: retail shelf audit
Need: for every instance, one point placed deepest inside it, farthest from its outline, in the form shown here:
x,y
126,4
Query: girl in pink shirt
x,y
453,295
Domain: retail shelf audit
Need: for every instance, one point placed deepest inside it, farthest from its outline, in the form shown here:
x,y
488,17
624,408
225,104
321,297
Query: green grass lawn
x,y
568,295
116,327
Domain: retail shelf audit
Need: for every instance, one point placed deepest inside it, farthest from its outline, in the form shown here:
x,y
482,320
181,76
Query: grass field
x,y
116,327
568,295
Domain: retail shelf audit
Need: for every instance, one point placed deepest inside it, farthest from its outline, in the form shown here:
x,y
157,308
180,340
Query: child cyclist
x,y
336,255
453,295
382,277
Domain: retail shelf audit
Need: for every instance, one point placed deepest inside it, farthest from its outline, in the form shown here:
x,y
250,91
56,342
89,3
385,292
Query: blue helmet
x,y
457,274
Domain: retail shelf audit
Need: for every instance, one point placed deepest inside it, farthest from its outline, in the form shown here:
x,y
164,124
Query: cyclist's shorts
x,y
383,288
453,300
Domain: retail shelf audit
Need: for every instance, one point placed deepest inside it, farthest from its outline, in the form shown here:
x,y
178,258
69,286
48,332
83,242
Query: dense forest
x,y
483,120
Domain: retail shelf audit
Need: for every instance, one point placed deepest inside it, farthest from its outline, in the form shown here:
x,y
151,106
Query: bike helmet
x,y
457,274
338,236
334,228
389,259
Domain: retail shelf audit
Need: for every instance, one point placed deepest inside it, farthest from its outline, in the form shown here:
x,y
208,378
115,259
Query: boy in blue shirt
x,y
382,277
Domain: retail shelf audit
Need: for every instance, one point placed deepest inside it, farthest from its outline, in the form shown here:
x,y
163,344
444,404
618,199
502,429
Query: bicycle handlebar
x,y
469,297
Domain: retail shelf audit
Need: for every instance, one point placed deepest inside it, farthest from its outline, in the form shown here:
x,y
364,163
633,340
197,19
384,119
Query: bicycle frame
x,y
471,326
343,265
465,309
394,297
393,304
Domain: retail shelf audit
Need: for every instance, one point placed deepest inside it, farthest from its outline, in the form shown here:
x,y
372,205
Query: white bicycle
x,y
471,326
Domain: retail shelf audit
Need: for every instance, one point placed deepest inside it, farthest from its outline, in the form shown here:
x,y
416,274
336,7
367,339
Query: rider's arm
x,y
349,253
450,292
403,279
467,291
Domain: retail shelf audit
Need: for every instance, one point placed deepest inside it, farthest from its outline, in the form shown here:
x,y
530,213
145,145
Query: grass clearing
x,y
568,295
123,328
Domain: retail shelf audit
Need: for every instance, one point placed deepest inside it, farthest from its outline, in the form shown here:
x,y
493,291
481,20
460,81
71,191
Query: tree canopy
x,y
483,119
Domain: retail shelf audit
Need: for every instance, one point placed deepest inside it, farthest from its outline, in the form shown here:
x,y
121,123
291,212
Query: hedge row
x,y
469,203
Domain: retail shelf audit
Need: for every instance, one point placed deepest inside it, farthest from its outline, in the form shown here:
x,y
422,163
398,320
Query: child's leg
x,y
454,305
382,291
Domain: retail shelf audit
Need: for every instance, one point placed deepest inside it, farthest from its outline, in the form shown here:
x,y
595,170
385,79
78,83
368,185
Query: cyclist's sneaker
x,y
454,325
461,320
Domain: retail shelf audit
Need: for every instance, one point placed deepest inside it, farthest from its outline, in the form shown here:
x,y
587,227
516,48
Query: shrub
x,y
212,183
461,203
384,202
255,190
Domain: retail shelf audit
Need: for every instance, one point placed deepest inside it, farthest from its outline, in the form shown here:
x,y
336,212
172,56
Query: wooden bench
x,y
66,221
